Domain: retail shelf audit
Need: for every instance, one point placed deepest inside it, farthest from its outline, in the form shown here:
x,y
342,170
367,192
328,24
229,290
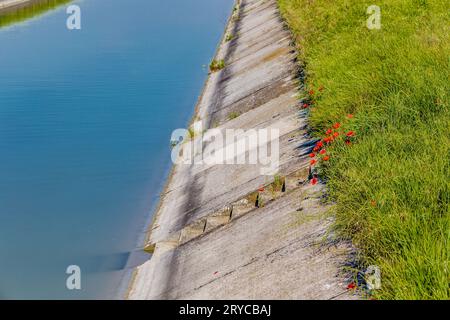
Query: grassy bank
x,y
390,180
31,10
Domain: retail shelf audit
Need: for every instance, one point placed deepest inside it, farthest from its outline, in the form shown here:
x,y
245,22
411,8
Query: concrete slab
x,y
227,247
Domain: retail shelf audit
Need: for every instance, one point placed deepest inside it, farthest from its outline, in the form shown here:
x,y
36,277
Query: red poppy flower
x,y
329,131
322,151
313,162
348,142
336,125
316,148
349,116
305,105
351,286
319,144
336,134
327,140
312,155
326,158
314,181
311,92
350,134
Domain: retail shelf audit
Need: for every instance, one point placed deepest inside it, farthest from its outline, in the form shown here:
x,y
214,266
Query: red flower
x,y
319,144
313,162
311,92
336,134
348,142
351,286
322,151
329,131
349,116
312,155
314,181
350,134
336,125
305,105
326,158
327,140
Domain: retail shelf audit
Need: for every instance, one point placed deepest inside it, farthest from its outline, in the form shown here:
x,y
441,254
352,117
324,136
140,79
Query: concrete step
x,y
265,194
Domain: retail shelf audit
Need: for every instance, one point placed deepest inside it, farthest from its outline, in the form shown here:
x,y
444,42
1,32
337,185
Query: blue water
x,y
85,123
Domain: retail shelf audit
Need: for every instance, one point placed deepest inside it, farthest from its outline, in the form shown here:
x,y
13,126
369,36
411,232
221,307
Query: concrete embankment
x,y
12,4
227,231
7,6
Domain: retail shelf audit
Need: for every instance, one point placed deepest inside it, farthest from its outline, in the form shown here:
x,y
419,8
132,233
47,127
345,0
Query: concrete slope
x,y
287,255
265,76
228,231
6,5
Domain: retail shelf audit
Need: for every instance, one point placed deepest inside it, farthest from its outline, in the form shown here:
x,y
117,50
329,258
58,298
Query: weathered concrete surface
x,y
8,4
209,238
279,251
13,5
250,80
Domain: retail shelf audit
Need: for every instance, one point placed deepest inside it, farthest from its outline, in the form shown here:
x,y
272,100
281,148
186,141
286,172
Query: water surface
x,y
85,123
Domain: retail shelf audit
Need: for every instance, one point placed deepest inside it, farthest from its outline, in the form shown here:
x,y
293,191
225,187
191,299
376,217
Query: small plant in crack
x,y
233,115
216,65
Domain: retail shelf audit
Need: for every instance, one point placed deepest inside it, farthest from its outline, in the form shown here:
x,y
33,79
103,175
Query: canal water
x,y
85,123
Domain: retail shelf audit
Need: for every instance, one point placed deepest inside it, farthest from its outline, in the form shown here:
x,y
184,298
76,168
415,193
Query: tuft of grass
x,y
29,11
191,133
229,37
216,65
278,182
236,13
233,115
391,186
252,197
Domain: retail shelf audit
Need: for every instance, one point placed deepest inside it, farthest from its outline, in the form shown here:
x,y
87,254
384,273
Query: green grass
x,y
391,186
216,65
191,133
233,115
229,37
29,11
278,182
